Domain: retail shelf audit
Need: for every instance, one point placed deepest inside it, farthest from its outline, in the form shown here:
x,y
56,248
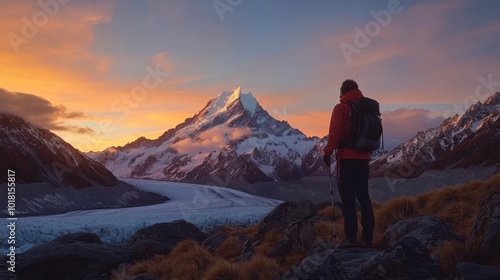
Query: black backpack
x,y
366,126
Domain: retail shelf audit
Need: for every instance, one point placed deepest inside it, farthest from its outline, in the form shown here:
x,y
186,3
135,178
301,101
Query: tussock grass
x,y
460,216
327,212
323,231
450,253
222,270
394,211
376,205
261,268
154,267
448,196
271,238
188,260
229,249
251,231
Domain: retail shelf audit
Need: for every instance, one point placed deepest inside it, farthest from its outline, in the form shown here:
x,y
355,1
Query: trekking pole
x,y
334,218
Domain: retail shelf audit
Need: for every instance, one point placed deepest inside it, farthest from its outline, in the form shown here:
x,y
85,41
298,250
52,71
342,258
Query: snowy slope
x,y
232,136
471,139
38,155
204,206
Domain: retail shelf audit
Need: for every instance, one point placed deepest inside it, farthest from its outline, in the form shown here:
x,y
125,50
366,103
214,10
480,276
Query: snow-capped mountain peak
x,y
231,134
224,101
493,100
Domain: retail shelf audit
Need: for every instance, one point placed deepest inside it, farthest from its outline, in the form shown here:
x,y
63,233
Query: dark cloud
x,y
402,124
40,111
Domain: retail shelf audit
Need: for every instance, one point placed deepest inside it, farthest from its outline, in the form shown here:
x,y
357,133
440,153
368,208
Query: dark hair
x,y
348,85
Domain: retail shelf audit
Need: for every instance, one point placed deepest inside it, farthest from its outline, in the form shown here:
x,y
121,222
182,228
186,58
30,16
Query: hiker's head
x,y
347,86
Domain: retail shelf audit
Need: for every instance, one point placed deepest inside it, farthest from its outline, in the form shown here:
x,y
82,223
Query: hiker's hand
x,y
327,160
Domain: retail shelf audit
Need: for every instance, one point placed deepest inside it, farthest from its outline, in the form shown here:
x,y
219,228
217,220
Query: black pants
x,y
353,184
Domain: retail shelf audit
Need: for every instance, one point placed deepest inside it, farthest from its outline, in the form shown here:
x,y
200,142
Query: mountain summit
x,y
472,139
231,137
226,99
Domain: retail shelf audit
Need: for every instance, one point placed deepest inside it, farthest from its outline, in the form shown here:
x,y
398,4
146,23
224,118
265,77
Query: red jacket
x,y
340,127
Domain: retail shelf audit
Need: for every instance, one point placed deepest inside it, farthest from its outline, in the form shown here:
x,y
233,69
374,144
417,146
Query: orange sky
x,y
89,57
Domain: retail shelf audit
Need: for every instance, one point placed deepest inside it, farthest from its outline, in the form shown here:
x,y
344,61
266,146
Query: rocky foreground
x,y
287,237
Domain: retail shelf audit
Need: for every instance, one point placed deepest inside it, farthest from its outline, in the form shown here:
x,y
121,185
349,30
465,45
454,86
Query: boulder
x,y
318,266
429,230
353,258
74,256
484,237
285,214
475,271
407,259
298,236
161,238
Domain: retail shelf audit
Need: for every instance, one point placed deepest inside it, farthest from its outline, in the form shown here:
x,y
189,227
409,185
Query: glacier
x,y
205,206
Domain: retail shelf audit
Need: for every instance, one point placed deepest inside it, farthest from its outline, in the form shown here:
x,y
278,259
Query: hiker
x,y
352,168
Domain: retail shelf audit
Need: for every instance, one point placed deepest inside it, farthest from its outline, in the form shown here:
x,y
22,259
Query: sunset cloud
x,y
211,140
402,124
41,112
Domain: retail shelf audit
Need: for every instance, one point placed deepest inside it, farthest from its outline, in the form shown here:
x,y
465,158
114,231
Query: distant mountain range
x,y
234,137
472,139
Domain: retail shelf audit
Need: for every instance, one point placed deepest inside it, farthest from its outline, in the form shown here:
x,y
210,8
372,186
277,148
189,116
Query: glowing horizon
x,y
118,70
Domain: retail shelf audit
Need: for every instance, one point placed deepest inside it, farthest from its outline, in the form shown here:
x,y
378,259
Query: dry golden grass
x,y
269,241
459,215
251,232
192,263
327,212
229,249
422,200
493,183
260,268
448,196
188,260
155,267
323,231
458,206
222,270
451,253
394,211
376,205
